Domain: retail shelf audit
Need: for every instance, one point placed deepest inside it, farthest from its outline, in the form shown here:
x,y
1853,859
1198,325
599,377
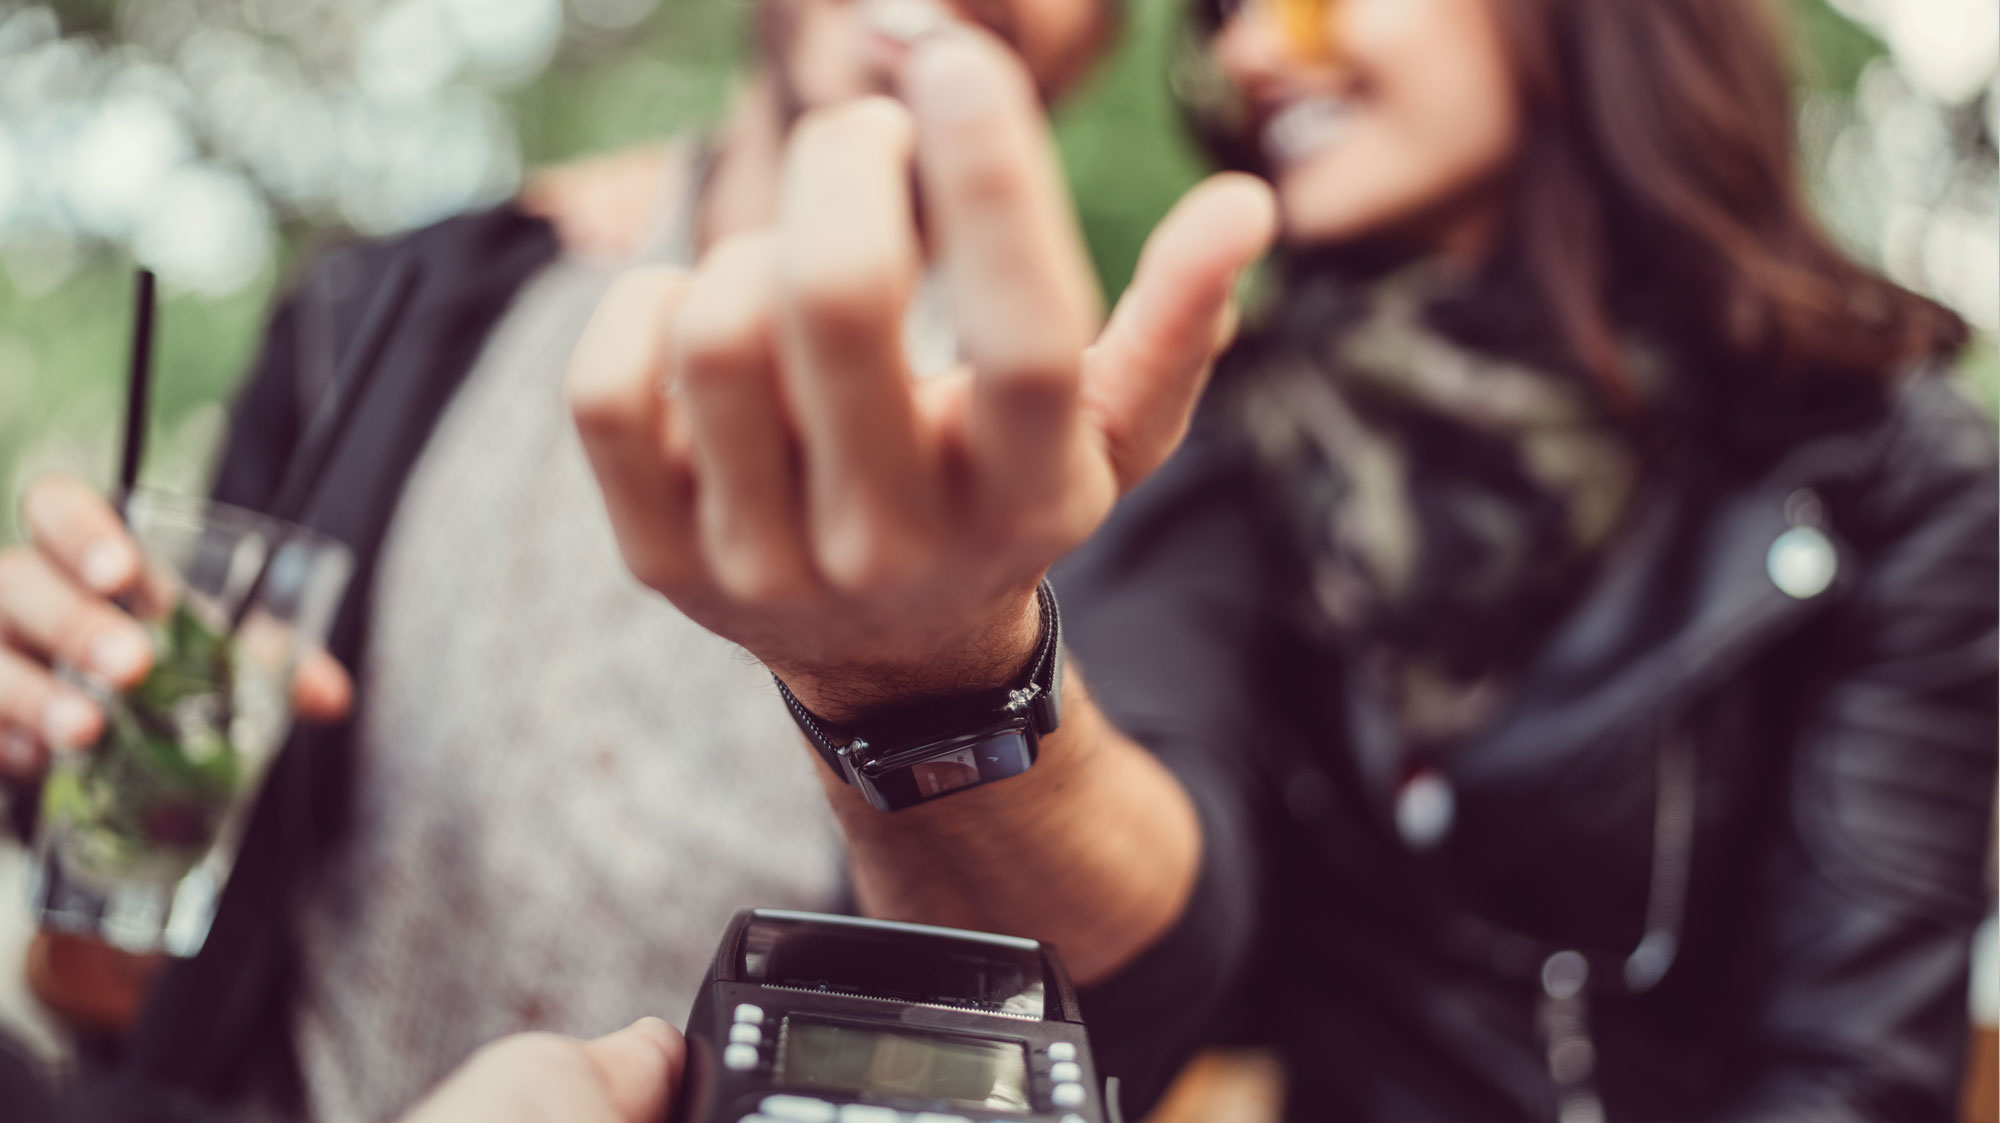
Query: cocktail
x,y
139,830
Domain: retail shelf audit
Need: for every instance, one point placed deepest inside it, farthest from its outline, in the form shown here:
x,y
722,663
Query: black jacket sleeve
x,y
1162,615
1871,902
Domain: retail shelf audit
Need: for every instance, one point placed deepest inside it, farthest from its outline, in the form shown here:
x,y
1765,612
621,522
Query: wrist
x,y
985,655
929,745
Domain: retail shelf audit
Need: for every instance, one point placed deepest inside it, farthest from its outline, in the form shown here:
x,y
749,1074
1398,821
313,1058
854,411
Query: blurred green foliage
x,y
62,345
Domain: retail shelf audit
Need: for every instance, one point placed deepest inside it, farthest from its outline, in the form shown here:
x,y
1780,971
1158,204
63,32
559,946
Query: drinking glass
x,y
138,831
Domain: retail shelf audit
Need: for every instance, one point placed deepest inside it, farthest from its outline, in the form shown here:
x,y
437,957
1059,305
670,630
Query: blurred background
x,y
220,141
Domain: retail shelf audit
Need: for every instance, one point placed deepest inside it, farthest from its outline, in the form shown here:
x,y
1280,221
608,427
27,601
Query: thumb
x,y
640,1068
1142,379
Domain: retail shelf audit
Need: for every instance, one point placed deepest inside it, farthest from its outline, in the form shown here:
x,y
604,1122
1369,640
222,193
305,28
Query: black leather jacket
x,y
1810,875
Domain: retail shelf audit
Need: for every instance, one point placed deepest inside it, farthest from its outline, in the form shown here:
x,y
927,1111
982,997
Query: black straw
x,y
138,385
327,429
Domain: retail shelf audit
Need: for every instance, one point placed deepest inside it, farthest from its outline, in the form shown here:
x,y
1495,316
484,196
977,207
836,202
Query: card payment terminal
x,y
806,1018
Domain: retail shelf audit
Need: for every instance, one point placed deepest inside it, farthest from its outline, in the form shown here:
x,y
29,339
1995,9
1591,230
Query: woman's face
x,y
1399,118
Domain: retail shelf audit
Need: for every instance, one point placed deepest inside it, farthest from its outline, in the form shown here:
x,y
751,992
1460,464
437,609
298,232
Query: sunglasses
x,y
1303,22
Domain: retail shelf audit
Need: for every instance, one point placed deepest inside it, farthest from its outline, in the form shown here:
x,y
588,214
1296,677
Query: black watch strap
x,y
1036,696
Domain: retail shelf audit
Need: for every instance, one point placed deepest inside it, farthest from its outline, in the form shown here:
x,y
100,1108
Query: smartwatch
x,y
931,750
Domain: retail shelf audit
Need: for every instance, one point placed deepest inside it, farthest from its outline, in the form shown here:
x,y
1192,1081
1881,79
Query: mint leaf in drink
x,y
152,793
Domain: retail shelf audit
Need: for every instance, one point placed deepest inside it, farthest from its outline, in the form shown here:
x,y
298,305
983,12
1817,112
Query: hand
x,y
627,1077
56,602
867,536
601,206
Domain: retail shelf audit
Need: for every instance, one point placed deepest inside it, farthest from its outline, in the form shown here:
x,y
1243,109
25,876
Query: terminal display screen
x,y
846,1057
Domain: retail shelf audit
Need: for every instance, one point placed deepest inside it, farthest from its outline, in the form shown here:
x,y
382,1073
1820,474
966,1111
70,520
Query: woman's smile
x,y
1302,130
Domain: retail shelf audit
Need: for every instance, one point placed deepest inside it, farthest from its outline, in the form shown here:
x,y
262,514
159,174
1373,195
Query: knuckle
x,y
78,633
587,413
598,402
710,363
755,577
718,348
592,407
863,557
727,321
1037,384
1036,525
987,180
844,302
662,571
25,690
616,363
744,256
873,123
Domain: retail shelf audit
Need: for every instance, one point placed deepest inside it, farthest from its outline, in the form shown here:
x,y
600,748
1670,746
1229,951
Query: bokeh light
x,y
217,141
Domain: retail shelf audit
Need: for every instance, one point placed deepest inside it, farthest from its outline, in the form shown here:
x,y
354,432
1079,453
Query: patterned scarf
x,y
1448,499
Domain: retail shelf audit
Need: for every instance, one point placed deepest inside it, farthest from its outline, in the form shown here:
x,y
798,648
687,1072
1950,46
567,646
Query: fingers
x,y
26,692
36,711
21,754
322,690
1021,285
54,607
615,389
75,526
627,1077
526,1078
43,613
849,266
639,1068
747,491
1144,376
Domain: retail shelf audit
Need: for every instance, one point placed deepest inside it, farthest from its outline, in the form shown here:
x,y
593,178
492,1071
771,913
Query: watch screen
x,y
948,773
967,1072
928,771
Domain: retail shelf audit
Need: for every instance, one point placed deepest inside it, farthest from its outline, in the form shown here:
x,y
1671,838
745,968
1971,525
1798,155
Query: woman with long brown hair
x,y
1624,694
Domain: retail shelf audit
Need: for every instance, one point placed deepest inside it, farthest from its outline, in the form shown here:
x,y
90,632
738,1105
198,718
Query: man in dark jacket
x,y
553,787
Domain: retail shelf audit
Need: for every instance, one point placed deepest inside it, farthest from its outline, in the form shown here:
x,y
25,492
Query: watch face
x,y
948,773
925,772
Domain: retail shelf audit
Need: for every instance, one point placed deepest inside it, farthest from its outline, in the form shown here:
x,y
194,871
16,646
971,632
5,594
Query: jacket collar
x,y
1687,599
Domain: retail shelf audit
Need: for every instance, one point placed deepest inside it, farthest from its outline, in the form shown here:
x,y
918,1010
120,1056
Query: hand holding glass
x,y
139,830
